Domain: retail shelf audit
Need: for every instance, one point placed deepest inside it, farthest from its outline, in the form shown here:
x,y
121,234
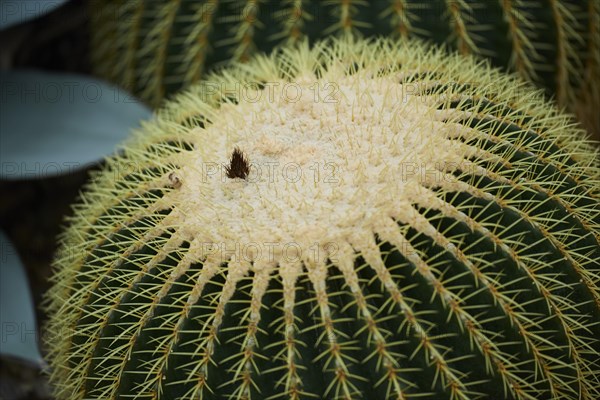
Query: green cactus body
x,y
413,224
154,48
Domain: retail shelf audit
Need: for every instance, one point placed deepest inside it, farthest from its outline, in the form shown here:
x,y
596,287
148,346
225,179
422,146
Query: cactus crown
x,y
408,224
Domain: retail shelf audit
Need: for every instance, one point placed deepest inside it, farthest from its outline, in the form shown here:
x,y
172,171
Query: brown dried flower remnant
x,y
238,166
174,180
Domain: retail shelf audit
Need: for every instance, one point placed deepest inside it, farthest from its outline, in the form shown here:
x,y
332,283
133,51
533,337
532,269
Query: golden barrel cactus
x,y
354,220
155,48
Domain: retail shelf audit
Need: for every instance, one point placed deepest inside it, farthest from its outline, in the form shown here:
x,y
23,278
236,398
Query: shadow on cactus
x,y
357,220
154,48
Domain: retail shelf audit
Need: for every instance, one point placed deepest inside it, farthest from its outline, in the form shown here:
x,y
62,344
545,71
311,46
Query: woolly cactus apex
x,y
359,220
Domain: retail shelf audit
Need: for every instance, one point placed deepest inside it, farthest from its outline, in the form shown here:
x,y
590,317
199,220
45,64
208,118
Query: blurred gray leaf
x,y
18,329
14,12
51,124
